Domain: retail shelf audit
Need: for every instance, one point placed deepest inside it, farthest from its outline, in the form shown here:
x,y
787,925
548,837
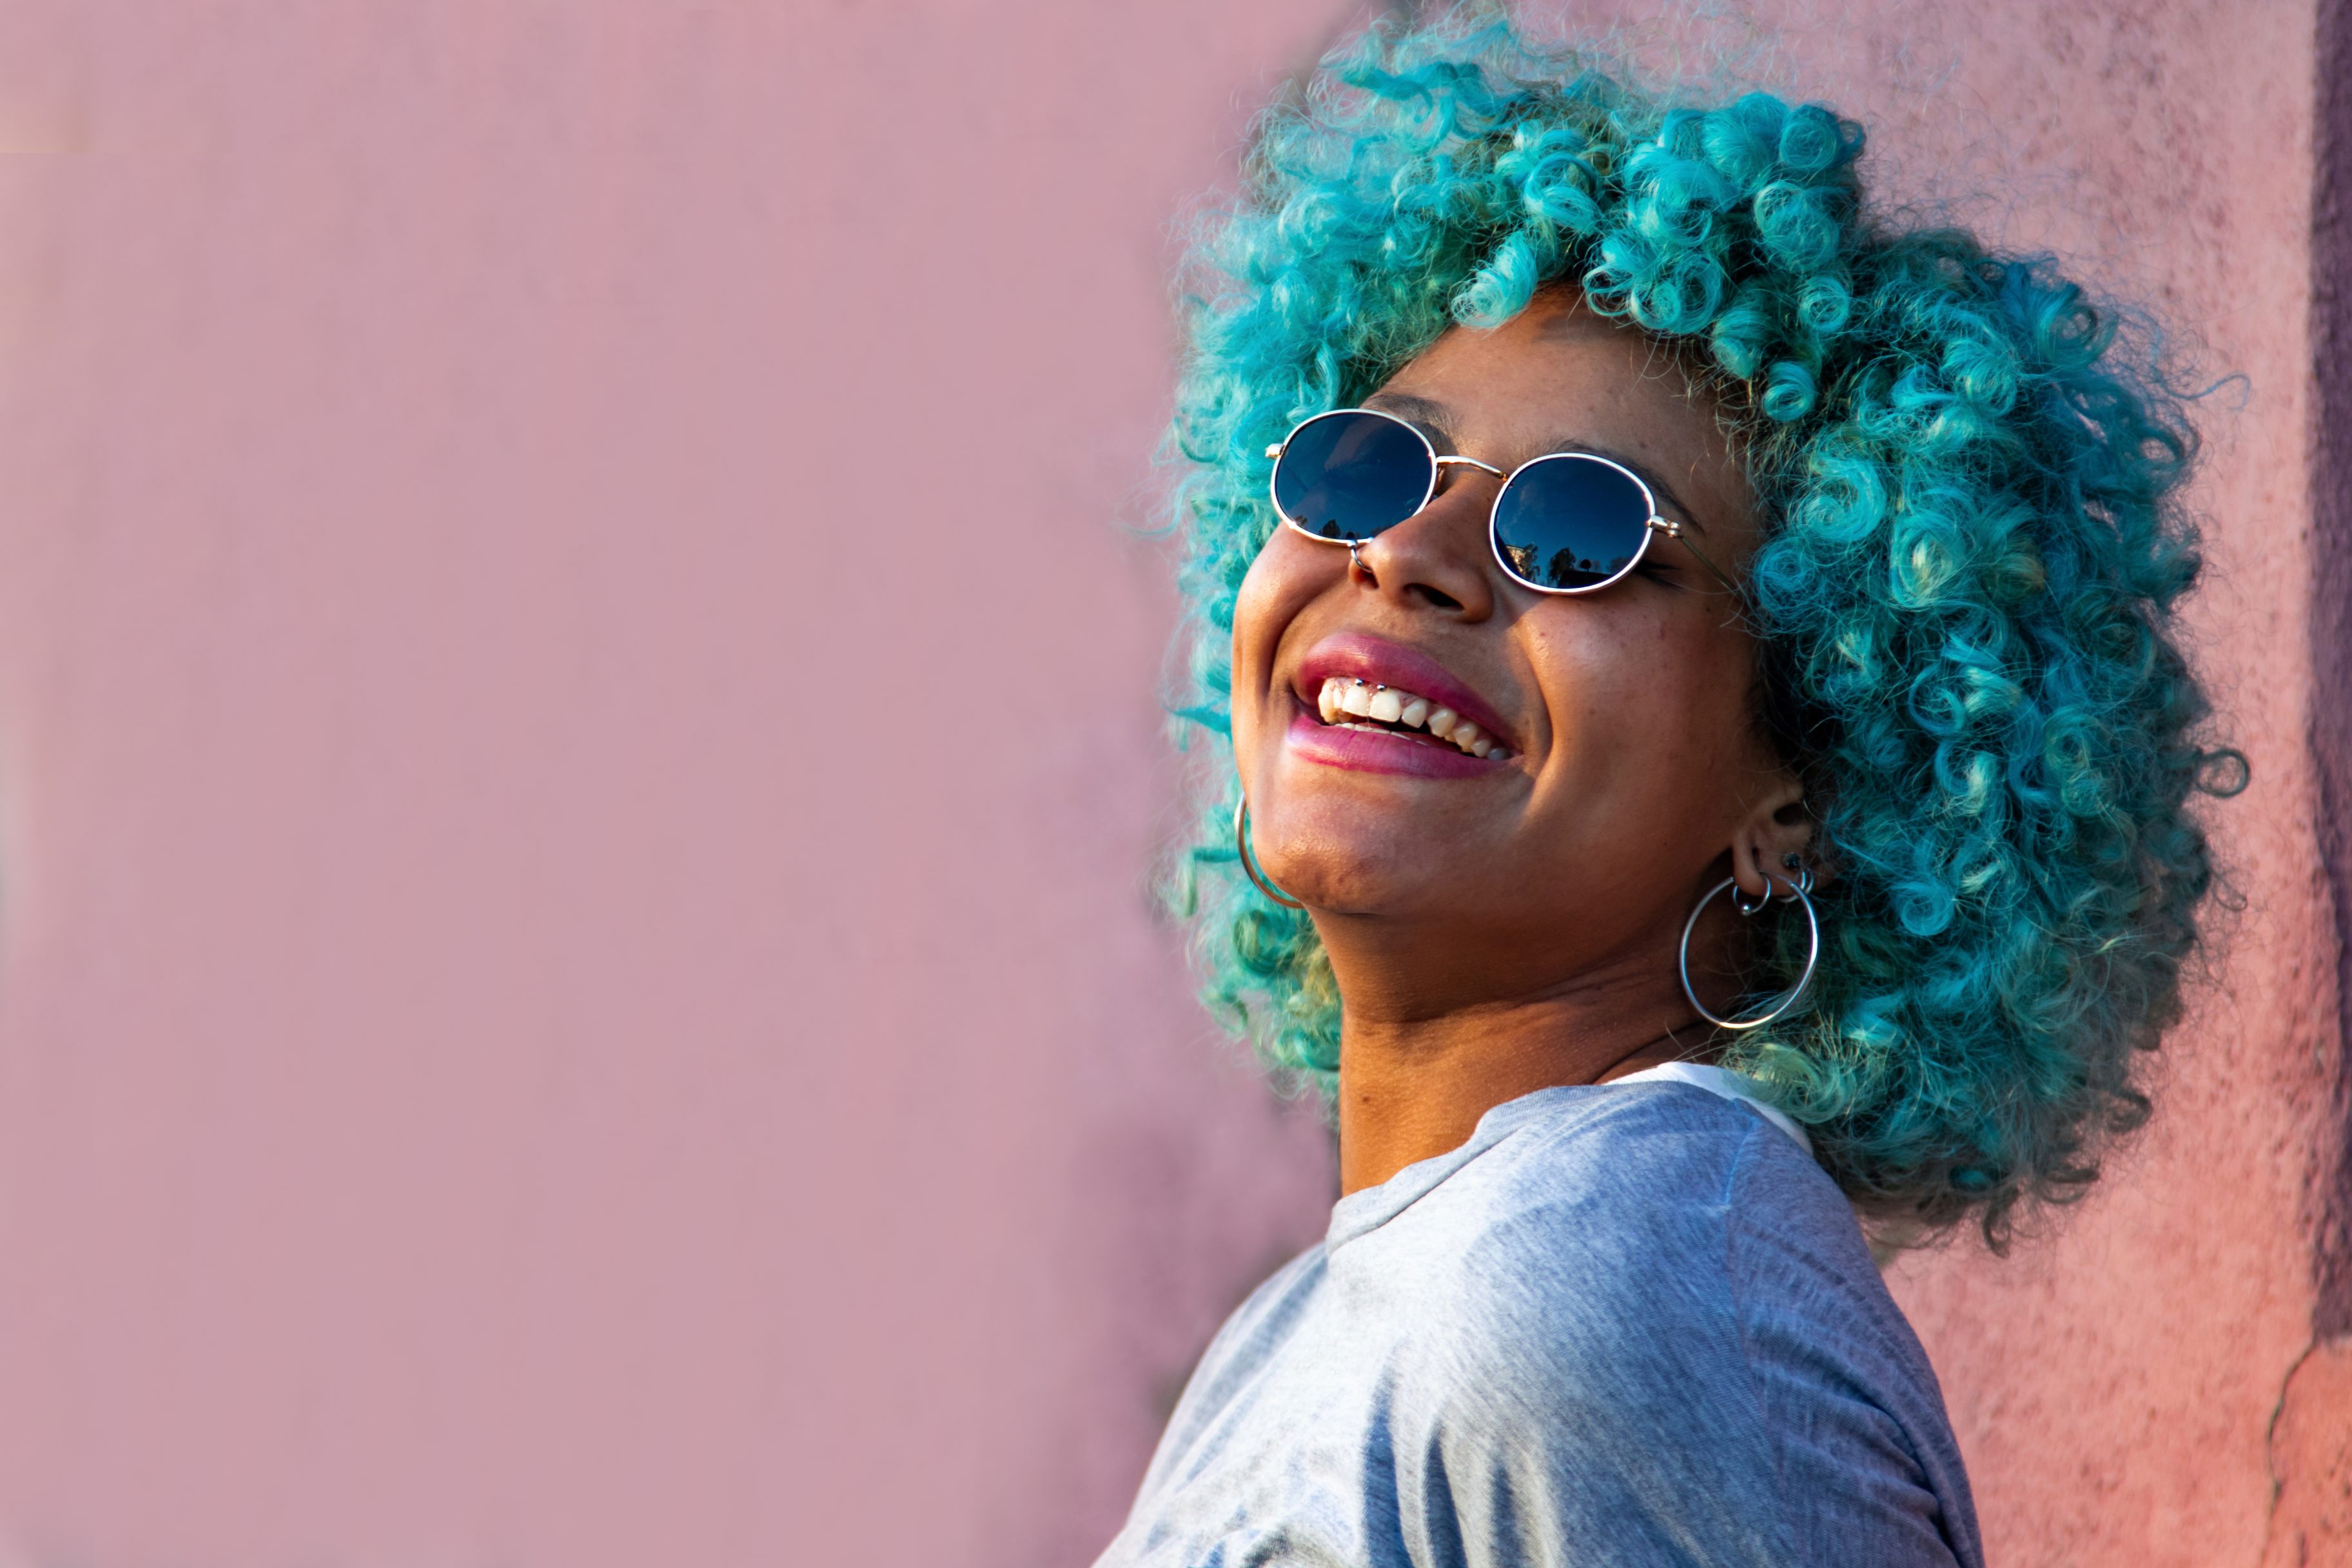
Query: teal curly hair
x,y
1974,546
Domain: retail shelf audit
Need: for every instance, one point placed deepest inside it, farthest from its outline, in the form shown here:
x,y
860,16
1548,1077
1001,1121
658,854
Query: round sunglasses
x,y
1567,523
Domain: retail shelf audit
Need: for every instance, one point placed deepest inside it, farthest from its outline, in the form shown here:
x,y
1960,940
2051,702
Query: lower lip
x,y
1382,752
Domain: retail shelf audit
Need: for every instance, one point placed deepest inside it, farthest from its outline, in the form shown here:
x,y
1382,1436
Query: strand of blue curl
x,y
1966,602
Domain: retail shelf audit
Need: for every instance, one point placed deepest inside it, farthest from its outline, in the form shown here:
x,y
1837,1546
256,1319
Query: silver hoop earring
x,y
1249,864
1799,889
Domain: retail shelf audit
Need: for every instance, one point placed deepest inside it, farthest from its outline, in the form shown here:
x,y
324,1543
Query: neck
x,y
1415,1087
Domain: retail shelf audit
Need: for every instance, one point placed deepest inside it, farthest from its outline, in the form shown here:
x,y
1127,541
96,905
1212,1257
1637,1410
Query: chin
x,y
1356,857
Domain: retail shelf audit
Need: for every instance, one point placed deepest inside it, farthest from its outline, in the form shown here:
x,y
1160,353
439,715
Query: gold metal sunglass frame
x,y
1439,462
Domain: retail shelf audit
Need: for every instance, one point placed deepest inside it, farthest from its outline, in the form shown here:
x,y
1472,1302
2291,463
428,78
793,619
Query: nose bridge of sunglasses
x,y
1446,461
1452,471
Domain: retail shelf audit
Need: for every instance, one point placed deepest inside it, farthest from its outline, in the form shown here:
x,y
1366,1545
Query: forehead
x,y
1555,377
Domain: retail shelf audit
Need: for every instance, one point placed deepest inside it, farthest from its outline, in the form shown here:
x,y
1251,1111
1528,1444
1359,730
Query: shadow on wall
x,y
2311,1436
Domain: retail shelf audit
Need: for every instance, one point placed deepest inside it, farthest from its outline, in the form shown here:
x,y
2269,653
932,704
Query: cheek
x,y
1650,726
1282,581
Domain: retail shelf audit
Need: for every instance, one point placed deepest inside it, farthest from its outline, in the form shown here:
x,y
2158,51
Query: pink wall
x,y
579,757
577,765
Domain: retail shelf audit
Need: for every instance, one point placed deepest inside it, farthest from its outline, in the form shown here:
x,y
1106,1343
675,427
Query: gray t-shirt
x,y
1624,1323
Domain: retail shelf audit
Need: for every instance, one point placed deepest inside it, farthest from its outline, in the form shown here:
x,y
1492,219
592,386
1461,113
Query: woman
x,y
1711,757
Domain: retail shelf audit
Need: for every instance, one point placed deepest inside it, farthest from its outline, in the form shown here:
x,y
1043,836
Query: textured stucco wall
x,y
577,762
2311,1434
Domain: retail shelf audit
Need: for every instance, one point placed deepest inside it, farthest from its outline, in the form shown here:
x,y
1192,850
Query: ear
x,y
1776,828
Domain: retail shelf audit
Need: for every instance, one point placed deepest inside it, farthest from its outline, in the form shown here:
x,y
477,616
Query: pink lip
x,y
1358,656
1371,751
1355,655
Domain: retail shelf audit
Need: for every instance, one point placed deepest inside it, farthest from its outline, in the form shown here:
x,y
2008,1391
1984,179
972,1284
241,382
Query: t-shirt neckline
x,y
1360,1213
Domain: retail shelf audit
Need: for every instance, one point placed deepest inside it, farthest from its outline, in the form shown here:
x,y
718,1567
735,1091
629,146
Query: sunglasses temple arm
x,y
1676,530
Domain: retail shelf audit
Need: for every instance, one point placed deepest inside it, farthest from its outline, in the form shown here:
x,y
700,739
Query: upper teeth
x,y
1391,705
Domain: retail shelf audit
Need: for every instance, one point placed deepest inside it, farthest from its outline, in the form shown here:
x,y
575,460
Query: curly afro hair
x,y
1974,547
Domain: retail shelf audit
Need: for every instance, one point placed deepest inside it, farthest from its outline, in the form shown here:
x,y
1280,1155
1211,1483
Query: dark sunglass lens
x,y
1571,522
1348,475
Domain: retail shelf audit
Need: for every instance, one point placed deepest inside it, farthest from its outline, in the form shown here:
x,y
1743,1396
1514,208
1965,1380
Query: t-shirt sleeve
x,y
1863,1449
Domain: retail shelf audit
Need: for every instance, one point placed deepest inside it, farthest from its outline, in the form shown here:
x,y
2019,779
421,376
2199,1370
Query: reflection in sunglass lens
x,y
1571,522
1348,475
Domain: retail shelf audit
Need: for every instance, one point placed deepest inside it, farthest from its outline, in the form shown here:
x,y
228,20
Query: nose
x,y
1438,558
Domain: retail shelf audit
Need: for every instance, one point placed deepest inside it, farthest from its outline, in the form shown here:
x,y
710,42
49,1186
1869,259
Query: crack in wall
x,y
2271,1453
2309,1450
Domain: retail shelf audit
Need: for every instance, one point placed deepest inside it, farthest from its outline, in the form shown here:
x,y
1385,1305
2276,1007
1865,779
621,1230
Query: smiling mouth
x,y
1357,704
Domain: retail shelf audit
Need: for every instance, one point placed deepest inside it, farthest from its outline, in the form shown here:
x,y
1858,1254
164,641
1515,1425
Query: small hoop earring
x,y
1249,865
1799,889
